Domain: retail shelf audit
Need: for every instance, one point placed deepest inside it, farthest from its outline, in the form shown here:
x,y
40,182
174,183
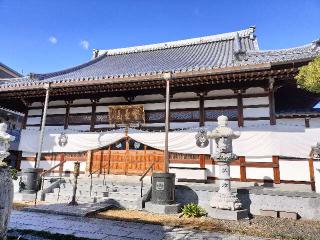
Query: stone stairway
x,y
123,194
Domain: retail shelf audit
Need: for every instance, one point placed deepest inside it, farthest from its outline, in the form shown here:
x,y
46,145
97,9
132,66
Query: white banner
x,y
253,142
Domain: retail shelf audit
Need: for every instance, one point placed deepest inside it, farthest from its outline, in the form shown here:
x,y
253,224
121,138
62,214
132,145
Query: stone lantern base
x,y
6,200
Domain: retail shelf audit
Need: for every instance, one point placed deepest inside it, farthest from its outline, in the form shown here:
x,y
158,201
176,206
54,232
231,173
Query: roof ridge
x,y
249,32
314,44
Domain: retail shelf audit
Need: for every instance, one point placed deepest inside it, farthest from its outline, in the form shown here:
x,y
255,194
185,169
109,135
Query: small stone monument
x,y
6,185
225,204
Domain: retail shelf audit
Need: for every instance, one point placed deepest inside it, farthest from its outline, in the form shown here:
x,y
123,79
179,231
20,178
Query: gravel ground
x,y
267,227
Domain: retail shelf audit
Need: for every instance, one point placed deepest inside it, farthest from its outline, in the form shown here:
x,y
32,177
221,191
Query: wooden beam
x,y
202,161
66,118
240,108
243,172
201,110
93,114
276,169
272,110
312,178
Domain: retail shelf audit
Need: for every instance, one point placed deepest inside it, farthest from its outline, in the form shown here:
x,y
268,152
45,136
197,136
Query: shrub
x,y
193,210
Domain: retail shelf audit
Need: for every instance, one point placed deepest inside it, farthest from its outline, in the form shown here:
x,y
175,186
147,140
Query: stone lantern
x,y
224,204
6,185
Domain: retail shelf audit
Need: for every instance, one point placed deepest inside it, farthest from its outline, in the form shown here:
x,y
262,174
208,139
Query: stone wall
x,y
305,204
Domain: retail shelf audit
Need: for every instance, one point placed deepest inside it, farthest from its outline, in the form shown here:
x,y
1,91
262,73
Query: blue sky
x,y
49,35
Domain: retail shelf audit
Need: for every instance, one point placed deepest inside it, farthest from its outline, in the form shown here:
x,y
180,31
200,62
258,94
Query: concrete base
x,y
28,197
227,214
162,209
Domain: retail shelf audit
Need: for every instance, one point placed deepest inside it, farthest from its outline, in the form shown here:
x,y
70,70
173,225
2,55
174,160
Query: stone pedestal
x,y
163,208
227,214
6,200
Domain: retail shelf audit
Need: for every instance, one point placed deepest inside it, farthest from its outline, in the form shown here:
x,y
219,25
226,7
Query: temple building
x,y
12,118
109,113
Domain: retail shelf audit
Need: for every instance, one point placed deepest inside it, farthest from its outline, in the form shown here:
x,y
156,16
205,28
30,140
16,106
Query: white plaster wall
x,y
252,123
254,90
81,101
185,95
33,120
291,122
314,122
189,104
255,112
26,164
32,112
148,97
57,128
235,171
36,104
80,109
185,165
57,103
112,100
154,106
259,173
56,111
103,109
222,92
255,101
259,159
220,102
294,170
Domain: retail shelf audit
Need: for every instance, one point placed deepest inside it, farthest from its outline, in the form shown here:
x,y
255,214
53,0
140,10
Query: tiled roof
x,y
212,52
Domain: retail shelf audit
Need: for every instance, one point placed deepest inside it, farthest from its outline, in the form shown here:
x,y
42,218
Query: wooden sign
x,y
126,114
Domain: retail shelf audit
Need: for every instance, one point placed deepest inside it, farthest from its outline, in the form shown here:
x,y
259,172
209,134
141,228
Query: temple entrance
x,y
126,157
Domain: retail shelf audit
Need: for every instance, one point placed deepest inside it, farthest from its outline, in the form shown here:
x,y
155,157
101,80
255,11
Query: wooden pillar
x,y
89,161
307,122
93,114
27,104
201,110
312,179
62,157
202,161
240,108
243,171
272,111
276,169
66,118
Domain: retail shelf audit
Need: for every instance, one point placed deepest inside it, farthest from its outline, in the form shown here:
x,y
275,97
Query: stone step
x,y
120,194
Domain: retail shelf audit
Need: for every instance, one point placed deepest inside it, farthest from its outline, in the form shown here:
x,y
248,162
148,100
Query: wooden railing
x,y
143,176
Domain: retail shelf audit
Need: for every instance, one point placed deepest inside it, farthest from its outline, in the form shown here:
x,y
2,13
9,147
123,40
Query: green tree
x,y
309,76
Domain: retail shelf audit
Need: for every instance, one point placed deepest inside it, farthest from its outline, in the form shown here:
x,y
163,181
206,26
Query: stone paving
x,y
92,228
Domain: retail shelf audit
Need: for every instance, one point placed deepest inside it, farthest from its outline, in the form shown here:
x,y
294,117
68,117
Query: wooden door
x,y
126,162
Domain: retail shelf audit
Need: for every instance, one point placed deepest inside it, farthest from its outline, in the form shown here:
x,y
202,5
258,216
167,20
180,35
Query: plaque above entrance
x,y
128,114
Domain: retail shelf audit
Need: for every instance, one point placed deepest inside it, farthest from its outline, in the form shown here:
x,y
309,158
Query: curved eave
x,y
140,78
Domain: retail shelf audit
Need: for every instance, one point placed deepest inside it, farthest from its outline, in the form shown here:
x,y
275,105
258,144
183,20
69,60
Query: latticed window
x,y
184,115
213,114
80,119
155,116
102,118
55,120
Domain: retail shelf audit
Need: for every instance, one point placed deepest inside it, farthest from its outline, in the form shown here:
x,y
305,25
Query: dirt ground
x,y
267,227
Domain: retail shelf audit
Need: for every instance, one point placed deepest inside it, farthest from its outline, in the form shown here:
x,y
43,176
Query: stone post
x,y
223,136
6,184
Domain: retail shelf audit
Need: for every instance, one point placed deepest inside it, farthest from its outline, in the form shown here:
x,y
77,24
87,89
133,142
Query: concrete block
x,y
28,197
163,209
227,214
269,213
290,215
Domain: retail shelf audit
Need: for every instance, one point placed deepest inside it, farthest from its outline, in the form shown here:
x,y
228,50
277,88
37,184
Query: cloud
x,y
53,40
84,44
